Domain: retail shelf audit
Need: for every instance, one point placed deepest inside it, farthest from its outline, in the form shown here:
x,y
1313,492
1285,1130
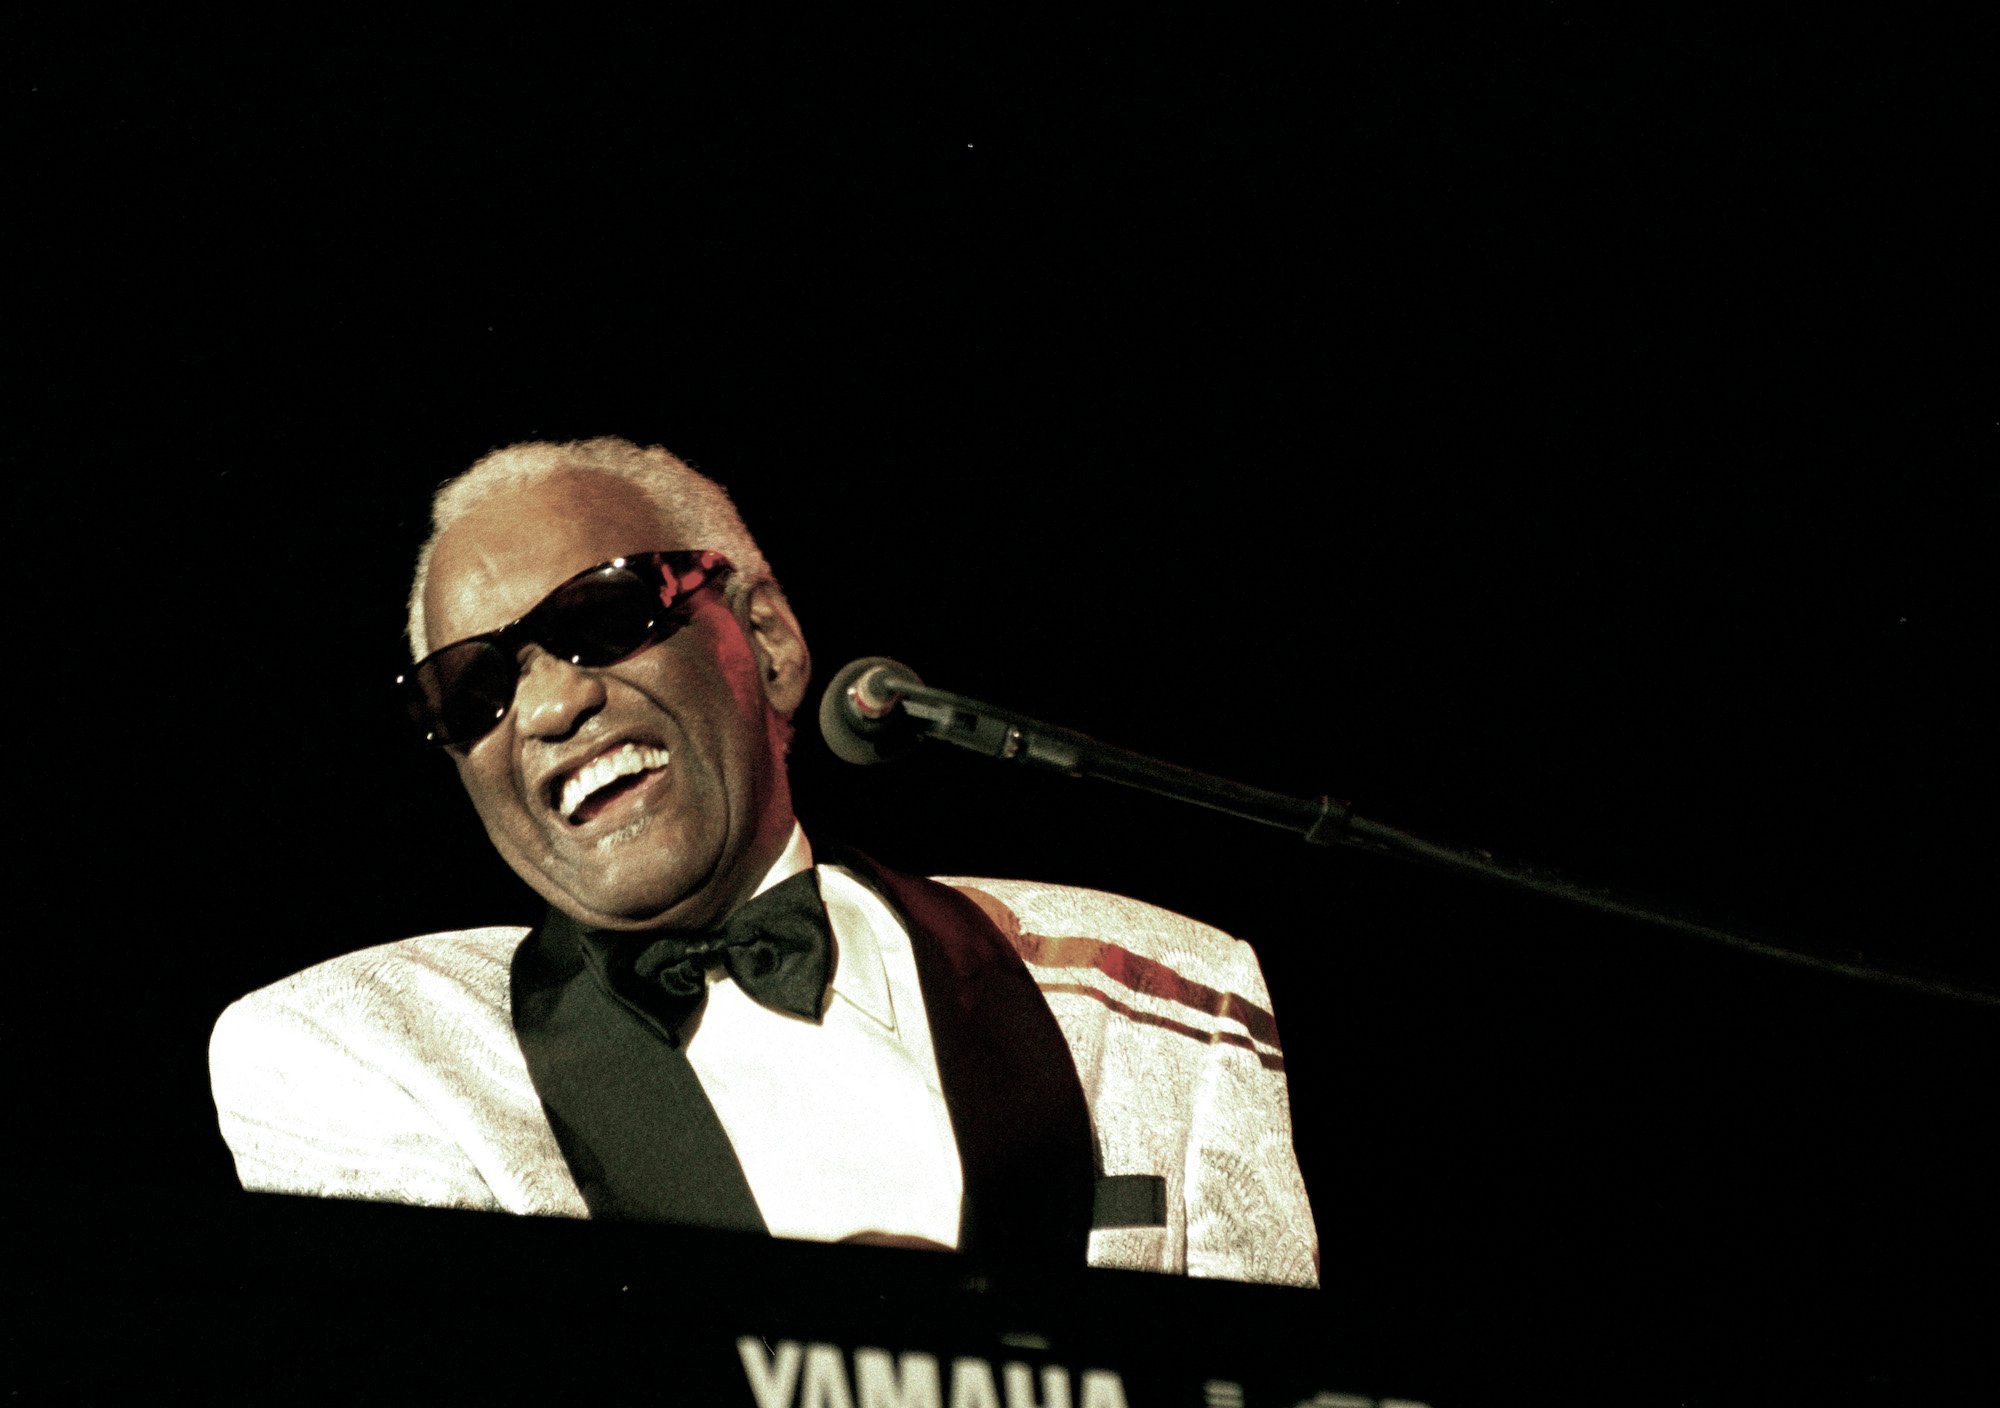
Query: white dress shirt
x,y
841,1127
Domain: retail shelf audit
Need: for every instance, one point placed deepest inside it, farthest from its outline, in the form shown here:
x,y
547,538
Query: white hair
x,y
696,506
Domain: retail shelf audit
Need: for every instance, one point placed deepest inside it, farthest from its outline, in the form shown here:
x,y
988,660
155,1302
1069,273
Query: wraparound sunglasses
x,y
457,694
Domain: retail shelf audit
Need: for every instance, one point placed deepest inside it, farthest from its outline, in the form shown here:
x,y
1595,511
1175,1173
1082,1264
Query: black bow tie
x,y
776,947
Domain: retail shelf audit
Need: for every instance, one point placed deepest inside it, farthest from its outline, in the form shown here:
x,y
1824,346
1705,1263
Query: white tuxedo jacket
x,y
396,1074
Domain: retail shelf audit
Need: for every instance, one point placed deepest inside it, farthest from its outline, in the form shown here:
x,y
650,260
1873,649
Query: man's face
x,y
684,839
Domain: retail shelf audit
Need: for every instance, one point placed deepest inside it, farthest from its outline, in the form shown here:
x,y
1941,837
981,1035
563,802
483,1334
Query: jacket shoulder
x,y
390,1073
1049,924
466,963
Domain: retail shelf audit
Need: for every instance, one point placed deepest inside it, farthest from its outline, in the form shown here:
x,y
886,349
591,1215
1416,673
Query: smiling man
x,y
650,793
714,1025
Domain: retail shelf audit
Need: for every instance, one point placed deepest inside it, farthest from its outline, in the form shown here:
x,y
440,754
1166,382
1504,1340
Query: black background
x,y
1566,434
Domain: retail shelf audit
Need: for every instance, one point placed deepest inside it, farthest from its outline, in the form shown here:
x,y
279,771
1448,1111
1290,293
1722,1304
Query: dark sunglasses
x,y
456,694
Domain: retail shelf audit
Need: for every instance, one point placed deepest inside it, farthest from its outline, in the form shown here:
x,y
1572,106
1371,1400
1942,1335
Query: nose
x,y
553,696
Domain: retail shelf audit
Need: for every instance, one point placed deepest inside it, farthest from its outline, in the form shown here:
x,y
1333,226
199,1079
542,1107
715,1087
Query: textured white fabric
x,y
859,1089
1209,1112
394,1074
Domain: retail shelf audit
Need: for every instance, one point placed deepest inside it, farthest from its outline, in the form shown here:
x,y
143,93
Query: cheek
x,y
737,662
735,691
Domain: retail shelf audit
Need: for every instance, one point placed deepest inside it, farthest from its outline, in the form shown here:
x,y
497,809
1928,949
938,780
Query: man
x,y
709,1027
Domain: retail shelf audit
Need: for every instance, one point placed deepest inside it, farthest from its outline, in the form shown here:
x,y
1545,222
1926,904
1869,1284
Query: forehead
x,y
515,546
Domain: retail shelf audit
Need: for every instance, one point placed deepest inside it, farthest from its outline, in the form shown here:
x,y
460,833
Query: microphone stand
x,y
1016,738
1012,737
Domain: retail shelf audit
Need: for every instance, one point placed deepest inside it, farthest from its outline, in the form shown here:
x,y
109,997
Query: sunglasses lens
x,y
459,693
601,619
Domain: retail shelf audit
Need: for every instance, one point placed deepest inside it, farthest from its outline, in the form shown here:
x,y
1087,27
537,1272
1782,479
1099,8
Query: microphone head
x,y
861,719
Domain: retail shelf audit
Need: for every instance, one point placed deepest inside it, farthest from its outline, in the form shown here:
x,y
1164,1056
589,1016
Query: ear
x,y
783,663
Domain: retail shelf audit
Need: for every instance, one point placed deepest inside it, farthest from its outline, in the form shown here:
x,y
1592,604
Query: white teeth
x,y
605,768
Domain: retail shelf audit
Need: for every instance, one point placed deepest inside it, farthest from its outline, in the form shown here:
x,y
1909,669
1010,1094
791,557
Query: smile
x,y
605,778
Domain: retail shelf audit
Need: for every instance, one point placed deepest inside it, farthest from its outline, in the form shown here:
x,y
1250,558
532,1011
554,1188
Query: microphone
x,y
861,715
877,708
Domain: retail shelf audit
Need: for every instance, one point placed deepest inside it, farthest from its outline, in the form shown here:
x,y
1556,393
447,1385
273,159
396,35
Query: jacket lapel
x,y
1017,1107
637,1130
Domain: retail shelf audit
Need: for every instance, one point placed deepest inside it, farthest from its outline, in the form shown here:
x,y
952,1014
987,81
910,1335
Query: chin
x,y
642,891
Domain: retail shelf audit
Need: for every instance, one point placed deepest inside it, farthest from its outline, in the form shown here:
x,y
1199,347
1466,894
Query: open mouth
x,y
586,792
